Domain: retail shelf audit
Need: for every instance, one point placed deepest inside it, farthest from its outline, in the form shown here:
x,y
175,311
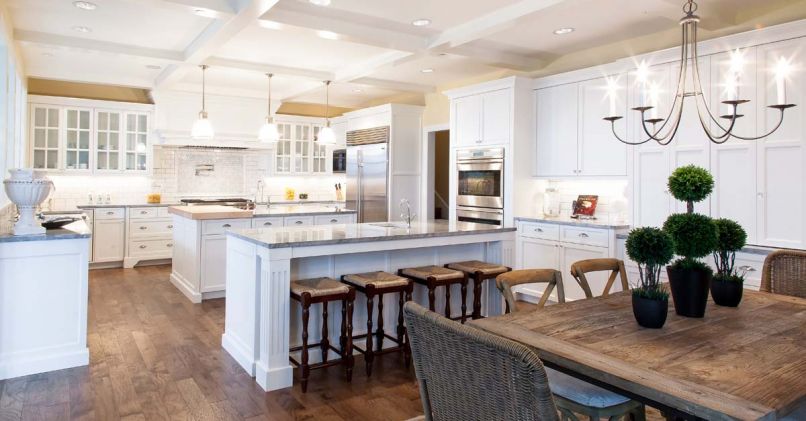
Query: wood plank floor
x,y
156,356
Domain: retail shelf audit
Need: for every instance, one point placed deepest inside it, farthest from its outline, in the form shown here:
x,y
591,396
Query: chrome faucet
x,y
405,212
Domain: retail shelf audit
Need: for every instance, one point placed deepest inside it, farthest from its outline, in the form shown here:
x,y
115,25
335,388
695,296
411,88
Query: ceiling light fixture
x,y
205,13
563,31
85,5
320,2
202,129
421,22
82,29
268,131
327,35
326,135
429,70
664,130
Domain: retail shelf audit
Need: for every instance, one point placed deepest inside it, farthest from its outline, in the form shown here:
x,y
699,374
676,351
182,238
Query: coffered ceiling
x,y
370,48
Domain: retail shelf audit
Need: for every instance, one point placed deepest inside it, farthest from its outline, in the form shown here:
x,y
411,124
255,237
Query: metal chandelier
x,y
663,130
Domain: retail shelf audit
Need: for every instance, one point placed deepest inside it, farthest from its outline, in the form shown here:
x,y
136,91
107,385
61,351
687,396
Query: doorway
x,y
437,201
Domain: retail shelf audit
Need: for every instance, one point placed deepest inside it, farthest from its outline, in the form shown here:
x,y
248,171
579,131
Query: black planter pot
x,y
689,290
648,312
726,292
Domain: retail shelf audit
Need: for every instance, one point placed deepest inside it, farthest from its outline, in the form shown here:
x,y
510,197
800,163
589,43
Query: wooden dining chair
x,y
465,373
507,281
615,266
785,273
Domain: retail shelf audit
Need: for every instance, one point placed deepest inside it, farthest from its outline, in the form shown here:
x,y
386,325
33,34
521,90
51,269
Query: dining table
x,y
746,362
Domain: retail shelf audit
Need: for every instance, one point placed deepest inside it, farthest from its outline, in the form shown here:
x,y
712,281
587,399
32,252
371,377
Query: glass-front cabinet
x,y
319,152
283,148
78,135
297,151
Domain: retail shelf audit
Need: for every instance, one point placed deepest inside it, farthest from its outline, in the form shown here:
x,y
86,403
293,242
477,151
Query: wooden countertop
x,y
209,212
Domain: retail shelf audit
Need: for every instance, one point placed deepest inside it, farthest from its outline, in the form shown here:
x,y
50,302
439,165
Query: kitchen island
x,y
261,322
199,244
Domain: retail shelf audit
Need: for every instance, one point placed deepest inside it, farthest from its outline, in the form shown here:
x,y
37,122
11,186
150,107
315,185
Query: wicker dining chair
x,y
615,266
468,374
507,281
785,273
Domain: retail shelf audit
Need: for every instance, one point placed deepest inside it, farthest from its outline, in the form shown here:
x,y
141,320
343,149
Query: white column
x,y
273,370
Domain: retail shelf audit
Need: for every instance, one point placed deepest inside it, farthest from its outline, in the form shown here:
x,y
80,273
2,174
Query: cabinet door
x,y
108,240
282,150
733,164
538,254
45,136
600,152
213,263
571,253
340,131
556,149
77,130
782,156
302,148
467,120
496,117
108,136
136,142
319,153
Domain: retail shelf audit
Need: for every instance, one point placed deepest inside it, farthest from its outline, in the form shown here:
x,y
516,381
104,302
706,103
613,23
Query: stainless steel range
x,y
480,193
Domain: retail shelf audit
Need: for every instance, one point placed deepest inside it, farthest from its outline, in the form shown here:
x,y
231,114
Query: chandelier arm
x,y
727,132
774,129
626,142
698,87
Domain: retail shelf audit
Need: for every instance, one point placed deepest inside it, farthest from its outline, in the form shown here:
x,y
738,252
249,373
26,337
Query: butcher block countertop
x,y
204,212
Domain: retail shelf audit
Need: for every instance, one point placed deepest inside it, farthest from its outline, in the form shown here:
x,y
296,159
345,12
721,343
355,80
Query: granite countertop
x,y
127,205
564,220
319,235
750,249
206,212
78,229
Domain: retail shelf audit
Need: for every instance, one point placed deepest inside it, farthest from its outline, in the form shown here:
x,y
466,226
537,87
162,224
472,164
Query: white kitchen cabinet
x,y
44,136
267,222
466,120
600,153
150,235
297,151
570,253
108,237
298,221
77,131
556,147
483,119
334,219
213,263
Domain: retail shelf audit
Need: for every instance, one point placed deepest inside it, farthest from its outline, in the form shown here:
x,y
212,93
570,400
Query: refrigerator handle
x,y
359,182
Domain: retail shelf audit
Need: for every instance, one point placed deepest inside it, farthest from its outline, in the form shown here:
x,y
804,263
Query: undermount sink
x,y
390,224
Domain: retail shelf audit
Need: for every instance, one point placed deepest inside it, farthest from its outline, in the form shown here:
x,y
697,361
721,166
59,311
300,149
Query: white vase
x,y
27,195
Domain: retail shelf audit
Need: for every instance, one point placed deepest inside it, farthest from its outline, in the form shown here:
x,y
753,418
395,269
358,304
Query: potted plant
x,y
651,248
727,285
694,236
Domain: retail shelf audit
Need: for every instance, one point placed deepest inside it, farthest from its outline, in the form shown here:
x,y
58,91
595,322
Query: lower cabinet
x,y
108,239
213,263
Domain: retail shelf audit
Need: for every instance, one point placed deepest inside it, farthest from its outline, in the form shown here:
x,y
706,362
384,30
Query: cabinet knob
x,y
143,228
583,235
170,245
266,224
226,225
142,246
170,226
538,229
110,213
333,221
298,222
143,212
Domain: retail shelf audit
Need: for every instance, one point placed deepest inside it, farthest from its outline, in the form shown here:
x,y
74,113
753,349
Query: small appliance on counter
x,y
339,193
551,202
27,189
585,206
52,220
303,196
290,194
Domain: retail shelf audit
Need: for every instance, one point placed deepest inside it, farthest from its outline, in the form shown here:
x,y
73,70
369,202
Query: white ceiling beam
x,y
369,66
219,7
214,36
93,45
269,68
394,85
491,23
497,58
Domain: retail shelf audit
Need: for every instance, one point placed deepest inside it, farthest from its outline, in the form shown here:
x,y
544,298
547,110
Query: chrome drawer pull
x,y
266,224
142,246
170,245
143,228
143,212
583,235
170,226
298,222
747,268
110,213
333,221
538,229
226,225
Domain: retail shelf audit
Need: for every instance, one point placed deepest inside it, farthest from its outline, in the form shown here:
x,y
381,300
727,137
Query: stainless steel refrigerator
x,y
368,174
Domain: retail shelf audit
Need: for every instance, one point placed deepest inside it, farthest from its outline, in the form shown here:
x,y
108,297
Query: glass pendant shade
x,y
326,136
268,132
202,129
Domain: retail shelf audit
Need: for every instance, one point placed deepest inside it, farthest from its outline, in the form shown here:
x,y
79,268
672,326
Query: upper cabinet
x,y
571,137
482,119
85,136
297,151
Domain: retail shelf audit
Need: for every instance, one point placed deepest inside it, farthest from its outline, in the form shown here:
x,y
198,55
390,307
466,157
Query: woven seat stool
x,y
435,276
324,290
479,272
376,284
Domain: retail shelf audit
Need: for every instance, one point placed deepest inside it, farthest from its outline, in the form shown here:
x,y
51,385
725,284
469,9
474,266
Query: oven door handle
x,y
480,166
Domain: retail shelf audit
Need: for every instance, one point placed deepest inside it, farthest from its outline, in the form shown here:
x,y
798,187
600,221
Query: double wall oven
x,y
480,193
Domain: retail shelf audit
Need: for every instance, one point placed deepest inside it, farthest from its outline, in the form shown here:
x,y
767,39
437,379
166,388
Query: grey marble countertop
x,y
298,210
750,249
319,235
126,205
78,229
588,223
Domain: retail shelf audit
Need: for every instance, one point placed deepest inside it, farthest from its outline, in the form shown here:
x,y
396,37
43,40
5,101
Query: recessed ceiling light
x,y
85,5
269,24
358,91
563,31
320,2
429,70
153,67
205,13
83,29
421,22
327,35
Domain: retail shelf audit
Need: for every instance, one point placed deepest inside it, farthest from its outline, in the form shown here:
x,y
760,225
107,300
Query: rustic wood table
x,y
735,363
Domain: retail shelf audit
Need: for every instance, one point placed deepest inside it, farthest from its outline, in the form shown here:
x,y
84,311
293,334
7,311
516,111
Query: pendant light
x,y
326,135
268,132
202,129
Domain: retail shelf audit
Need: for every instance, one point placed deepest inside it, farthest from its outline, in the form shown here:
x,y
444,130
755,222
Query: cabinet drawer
x,y
220,225
333,219
539,230
753,263
276,221
151,248
587,236
150,228
298,221
109,213
143,213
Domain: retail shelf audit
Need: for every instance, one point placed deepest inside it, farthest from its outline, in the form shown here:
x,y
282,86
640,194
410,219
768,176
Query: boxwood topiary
x,y
651,248
694,235
731,237
690,184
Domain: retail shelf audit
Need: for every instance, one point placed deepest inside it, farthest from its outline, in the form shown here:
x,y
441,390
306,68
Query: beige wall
x,y
310,110
88,91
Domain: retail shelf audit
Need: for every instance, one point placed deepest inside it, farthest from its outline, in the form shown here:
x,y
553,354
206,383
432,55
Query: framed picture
x,y
585,205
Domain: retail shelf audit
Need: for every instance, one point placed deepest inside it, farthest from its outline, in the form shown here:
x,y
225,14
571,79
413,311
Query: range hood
x,y
233,141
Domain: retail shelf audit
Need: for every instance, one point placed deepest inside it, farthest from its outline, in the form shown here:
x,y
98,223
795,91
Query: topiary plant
x,y
651,248
694,236
690,184
731,237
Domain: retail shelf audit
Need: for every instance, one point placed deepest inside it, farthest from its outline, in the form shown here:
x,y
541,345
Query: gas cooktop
x,y
230,201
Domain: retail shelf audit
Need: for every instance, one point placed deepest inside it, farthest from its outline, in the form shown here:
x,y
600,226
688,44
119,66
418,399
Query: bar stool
x,y
435,276
478,271
374,284
324,290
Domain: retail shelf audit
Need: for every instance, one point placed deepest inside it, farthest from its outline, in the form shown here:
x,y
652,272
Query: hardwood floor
x,y
154,355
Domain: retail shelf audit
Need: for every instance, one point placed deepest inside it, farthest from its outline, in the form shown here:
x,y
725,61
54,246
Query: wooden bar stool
x,y
324,290
478,271
435,276
376,284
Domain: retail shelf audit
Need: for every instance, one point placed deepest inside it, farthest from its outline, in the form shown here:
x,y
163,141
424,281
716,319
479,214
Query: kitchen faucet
x,y
405,212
